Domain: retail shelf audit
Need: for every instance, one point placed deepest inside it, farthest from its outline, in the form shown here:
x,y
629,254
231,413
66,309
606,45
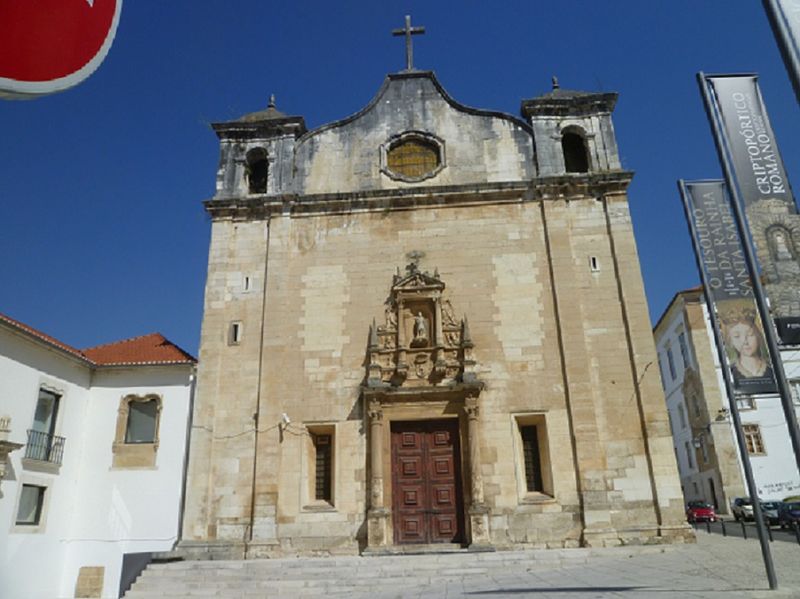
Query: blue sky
x,y
103,232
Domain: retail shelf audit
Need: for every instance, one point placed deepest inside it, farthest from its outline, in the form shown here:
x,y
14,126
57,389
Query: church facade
x,y
425,324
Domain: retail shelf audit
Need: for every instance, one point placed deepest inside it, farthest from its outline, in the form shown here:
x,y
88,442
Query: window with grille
x,y
413,158
530,453
323,467
752,436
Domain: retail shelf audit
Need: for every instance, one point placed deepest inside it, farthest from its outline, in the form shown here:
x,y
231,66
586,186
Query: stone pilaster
x,y
478,511
378,515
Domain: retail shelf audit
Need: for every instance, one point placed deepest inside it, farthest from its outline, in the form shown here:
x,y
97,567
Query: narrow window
x,y
530,453
576,159
704,449
684,350
246,284
142,418
31,501
688,447
235,333
671,362
594,264
682,415
42,442
752,436
323,468
256,170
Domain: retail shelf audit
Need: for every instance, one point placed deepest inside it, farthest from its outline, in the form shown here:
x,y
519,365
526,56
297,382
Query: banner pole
x,y
784,38
734,409
752,265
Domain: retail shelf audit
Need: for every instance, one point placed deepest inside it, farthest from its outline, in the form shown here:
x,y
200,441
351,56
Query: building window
x,y
245,283
31,502
43,445
142,418
594,264
688,447
671,361
704,449
747,402
323,468
137,434
235,333
412,156
682,415
531,458
752,436
535,480
256,168
576,158
684,350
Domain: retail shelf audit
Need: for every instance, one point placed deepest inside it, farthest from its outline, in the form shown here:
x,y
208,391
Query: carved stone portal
x,y
421,355
421,343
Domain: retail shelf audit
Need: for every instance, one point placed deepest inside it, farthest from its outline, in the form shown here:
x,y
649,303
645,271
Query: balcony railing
x,y
44,447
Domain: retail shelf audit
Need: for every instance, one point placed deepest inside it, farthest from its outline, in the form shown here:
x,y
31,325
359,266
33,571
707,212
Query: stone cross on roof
x,y
408,31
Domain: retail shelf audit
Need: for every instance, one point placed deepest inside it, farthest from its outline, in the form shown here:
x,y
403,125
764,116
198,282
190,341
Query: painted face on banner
x,y
745,339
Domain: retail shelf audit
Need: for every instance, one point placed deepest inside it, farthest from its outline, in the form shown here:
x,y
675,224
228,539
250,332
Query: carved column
x,y
378,516
478,511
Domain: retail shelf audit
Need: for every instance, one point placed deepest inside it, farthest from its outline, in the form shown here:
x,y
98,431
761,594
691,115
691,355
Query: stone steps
x,y
356,576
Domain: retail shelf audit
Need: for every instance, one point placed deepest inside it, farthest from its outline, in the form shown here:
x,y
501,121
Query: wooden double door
x,y
427,498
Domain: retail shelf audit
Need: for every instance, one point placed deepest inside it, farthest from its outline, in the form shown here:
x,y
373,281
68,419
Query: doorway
x,y
427,497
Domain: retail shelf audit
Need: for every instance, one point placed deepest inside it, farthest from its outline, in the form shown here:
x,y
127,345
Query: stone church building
x,y
425,324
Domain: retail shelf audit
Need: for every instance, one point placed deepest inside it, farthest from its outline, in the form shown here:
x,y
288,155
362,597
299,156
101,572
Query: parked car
x,y
770,510
789,514
700,511
742,508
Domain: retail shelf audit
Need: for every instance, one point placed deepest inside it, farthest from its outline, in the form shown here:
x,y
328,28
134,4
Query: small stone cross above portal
x,y
408,31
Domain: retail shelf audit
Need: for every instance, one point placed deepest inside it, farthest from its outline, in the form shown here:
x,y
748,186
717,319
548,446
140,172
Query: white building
x,y
92,445
702,430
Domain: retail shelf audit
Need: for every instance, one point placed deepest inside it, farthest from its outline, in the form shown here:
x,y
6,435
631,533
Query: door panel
x,y
426,482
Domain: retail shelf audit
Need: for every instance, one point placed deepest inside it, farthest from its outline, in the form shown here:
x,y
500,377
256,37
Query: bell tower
x,y
572,131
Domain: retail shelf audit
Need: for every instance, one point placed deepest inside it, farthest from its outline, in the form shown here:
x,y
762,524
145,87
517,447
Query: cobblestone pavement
x,y
715,567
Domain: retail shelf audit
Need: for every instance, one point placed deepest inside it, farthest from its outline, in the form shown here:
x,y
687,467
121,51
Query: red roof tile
x,y
147,349
38,334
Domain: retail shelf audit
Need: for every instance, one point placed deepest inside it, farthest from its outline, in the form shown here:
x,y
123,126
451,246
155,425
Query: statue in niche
x,y
781,246
420,331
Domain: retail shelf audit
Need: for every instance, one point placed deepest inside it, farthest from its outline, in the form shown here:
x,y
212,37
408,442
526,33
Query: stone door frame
x,y
385,406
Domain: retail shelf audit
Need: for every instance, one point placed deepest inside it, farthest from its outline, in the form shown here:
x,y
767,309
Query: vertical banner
x,y
729,287
769,204
751,141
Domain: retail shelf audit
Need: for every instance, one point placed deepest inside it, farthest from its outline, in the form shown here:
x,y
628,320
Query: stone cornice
x,y
542,188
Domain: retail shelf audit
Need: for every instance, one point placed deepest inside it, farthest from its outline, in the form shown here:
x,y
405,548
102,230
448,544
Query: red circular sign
x,y
50,45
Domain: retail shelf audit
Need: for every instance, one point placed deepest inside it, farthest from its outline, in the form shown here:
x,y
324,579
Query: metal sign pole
x,y
784,38
737,424
752,265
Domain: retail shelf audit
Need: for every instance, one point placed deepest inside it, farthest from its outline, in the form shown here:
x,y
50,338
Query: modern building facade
x,y
702,430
